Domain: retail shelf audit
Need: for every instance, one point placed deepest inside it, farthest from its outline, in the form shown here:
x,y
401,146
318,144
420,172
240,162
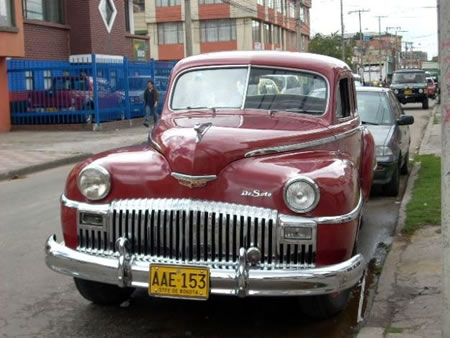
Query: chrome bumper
x,y
125,270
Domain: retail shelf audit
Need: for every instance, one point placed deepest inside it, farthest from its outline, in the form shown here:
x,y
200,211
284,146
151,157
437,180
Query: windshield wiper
x,y
371,123
213,109
296,110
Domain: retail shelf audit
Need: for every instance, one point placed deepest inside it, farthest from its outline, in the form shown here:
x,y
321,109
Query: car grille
x,y
199,232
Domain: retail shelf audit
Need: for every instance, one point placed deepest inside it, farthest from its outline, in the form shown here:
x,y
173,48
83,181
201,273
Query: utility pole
x,y
361,50
342,32
443,9
188,27
379,39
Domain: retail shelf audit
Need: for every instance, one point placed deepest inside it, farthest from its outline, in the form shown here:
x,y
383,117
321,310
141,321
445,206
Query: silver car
x,y
380,110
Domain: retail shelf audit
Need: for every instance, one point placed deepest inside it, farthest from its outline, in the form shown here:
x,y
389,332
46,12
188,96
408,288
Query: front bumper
x,y
127,270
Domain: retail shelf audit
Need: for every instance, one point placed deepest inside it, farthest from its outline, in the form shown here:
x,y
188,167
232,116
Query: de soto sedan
x,y
242,190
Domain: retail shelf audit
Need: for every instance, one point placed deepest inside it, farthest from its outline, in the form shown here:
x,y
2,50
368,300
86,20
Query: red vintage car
x,y
239,191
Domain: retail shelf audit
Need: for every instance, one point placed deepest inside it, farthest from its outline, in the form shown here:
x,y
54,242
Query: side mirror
x,y
405,120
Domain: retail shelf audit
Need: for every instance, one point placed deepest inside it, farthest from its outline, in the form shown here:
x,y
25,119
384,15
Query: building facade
x,y
219,25
11,45
56,29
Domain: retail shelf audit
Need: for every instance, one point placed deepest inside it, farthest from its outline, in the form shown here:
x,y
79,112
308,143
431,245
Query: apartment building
x,y
219,25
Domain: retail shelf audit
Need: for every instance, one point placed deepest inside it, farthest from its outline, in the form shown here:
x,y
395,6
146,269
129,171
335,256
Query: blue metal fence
x,y
92,90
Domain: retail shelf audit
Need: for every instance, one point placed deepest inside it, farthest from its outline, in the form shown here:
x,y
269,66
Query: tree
x,y
331,45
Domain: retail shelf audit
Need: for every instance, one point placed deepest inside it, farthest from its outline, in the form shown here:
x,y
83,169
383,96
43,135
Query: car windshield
x,y
409,77
225,88
374,108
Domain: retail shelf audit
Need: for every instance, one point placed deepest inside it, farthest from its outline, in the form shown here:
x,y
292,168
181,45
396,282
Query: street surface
x,y
38,302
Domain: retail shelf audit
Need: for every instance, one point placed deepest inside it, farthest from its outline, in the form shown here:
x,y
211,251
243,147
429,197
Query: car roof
x,y
307,61
372,89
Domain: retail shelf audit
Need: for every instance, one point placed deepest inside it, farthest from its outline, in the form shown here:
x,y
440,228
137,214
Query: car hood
x,y
199,144
408,85
380,134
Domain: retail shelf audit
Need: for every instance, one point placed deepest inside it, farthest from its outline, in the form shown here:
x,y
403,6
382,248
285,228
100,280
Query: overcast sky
x,y
417,17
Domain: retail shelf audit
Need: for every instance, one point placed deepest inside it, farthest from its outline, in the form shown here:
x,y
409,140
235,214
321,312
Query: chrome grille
x,y
190,231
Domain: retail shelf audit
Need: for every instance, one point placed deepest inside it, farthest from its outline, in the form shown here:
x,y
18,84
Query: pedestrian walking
x,y
151,97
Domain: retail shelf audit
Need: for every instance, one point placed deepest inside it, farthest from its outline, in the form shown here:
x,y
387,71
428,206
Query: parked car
x,y
73,93
432,88
410,85
236,193
380,110
357,80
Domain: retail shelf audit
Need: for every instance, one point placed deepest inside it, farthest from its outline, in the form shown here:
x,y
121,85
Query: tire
x,y
324,306
392,188
101,293
404,170
425,103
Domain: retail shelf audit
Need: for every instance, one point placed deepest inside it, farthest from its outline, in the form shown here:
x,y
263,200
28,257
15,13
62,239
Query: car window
x,y
408,77
374,108
397,107
343,108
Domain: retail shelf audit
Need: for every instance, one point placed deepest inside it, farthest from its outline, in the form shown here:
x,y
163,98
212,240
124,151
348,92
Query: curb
x,y
426,135
43,166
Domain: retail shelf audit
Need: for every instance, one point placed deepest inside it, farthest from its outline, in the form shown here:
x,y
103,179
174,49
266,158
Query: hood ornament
x,y
193,181
201,129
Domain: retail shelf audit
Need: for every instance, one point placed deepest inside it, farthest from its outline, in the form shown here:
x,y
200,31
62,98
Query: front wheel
x,y
101,293
405,167
324,306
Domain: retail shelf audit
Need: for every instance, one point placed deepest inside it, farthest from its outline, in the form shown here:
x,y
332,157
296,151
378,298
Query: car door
x,y
403,131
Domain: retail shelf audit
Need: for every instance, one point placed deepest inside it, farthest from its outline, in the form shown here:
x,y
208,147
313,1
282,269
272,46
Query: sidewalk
x,y
408,301
24,152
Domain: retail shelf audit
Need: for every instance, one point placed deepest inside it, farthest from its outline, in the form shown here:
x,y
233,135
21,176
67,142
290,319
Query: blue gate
x,y
92,90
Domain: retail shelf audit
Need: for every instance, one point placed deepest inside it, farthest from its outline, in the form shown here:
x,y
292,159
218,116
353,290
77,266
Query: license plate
x,y
178,281
408,92
51,109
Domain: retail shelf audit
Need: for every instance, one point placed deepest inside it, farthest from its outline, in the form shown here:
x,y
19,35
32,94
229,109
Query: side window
x,y
395,105
343,108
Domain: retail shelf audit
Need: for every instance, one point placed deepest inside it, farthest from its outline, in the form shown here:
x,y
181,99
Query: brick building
x,y
219,25
56,29
11,45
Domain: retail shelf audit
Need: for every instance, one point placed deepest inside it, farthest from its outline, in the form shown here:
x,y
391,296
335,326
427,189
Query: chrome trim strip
x,y
236,209
290,147
303,145
244,281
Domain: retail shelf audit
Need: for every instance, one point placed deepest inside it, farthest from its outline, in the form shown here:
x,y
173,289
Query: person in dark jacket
x,y
151,97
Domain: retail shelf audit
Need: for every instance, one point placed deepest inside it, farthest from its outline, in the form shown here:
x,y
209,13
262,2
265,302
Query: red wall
x,y
45,41
214,11
171,52
206,47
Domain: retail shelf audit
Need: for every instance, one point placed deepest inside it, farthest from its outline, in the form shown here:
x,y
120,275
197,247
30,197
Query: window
x,y
6,13
217,30
276,34
343,99
127,16
256,31
291,10
270,3
113,79
138,6
167,3
209,2
279,5
44,10
29,80
260,2
170,33
47,79
267,33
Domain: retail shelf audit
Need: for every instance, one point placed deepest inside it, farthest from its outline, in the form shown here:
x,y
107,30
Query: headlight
x,y
384,154
94,182
396,91
301,194
420,90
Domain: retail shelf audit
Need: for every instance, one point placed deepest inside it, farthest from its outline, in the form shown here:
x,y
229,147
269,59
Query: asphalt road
x,y
35,301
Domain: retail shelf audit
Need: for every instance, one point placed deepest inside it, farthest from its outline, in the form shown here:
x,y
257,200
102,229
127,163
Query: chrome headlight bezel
x,y
305,180
104,176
